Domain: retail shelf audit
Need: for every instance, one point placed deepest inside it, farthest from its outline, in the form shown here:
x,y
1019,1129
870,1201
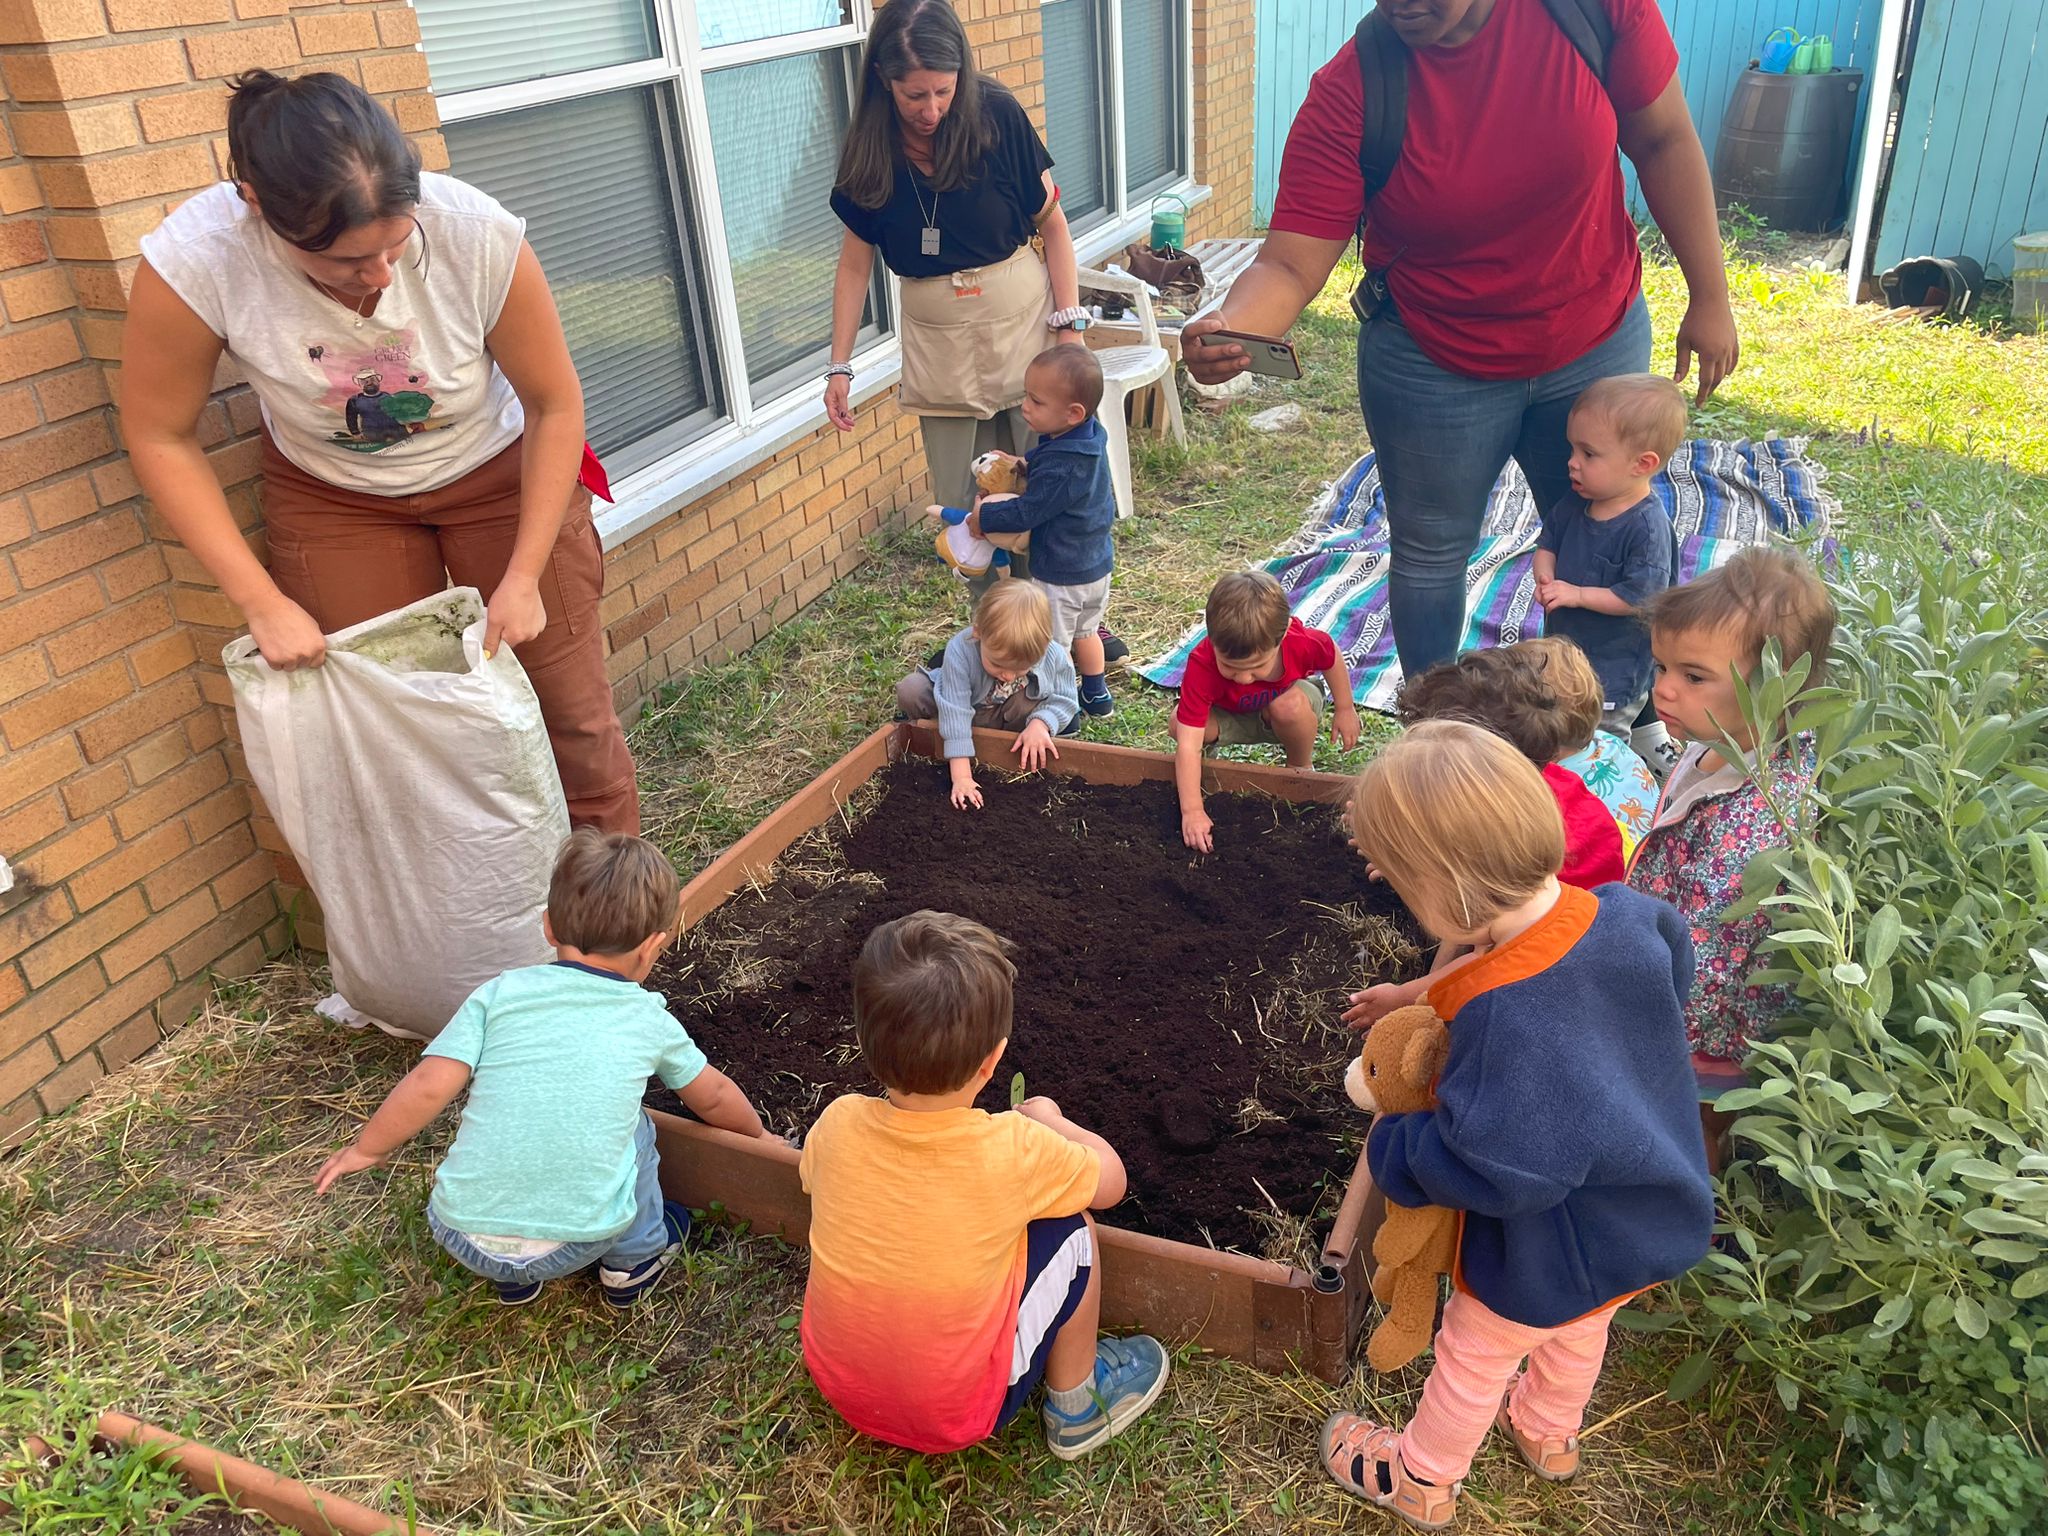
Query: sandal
x,y
1354,1449
1555,1461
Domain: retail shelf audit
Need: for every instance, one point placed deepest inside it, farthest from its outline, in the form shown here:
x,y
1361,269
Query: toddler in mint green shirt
x,y
553,1167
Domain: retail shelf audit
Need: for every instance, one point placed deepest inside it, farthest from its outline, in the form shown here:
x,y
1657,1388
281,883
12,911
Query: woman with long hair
x,y
422,419
943,174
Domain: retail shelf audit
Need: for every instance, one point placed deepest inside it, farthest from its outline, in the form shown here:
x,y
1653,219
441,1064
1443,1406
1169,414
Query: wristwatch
x,y
1073,318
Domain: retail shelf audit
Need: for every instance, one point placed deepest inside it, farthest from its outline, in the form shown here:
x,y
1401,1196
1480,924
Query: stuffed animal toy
x,y
1395,1073
995,474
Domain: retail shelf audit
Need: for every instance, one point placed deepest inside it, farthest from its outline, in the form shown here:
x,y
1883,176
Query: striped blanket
x,y
1722,497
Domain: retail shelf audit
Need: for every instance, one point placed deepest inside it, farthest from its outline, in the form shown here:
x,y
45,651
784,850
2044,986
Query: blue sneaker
x,y
623,1287
516,1295
1129,1376
1098,706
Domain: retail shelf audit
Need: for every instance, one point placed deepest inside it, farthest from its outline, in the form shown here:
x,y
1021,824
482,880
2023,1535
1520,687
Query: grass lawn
x,y
165,1254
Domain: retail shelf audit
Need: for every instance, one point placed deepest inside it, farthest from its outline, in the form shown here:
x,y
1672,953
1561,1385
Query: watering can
x,y
1780,49
1169,225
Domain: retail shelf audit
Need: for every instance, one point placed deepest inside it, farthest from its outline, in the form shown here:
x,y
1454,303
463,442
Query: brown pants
x,y
346,556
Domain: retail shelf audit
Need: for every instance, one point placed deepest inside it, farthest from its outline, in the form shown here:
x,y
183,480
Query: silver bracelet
x,y
838,371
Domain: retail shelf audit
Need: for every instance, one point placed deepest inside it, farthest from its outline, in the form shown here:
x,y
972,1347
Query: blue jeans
x,y
1442,440
644,1237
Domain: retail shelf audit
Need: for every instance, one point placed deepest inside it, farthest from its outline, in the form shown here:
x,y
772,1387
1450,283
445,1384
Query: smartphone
x,y
1270,355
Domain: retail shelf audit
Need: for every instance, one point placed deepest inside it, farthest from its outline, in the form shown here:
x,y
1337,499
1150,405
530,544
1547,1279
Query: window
x,y
672,159
1116,102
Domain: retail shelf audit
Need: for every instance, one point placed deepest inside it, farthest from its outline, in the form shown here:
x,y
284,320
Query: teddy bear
x,y
995,474
1395,1073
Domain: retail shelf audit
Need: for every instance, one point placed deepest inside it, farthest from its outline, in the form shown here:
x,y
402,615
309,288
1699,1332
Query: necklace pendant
x,y
931,241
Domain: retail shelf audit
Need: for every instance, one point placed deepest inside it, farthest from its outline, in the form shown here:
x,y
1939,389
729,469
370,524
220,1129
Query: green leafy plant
x,y
1017,1094
73,1482
1891,1220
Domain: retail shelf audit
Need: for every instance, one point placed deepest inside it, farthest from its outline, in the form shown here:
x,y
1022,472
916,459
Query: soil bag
x,y
413,782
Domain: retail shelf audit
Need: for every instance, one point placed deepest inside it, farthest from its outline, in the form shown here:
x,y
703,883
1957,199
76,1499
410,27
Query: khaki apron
x,y
969,336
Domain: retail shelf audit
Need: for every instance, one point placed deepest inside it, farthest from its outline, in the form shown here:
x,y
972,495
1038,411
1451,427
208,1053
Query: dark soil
x,y
1184,1007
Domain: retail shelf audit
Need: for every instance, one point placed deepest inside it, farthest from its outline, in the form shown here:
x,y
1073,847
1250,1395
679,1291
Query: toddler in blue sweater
x,y
1565,1129
1068,507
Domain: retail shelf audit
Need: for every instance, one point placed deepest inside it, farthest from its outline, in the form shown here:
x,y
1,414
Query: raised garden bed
x,y
259,1502
1186,1008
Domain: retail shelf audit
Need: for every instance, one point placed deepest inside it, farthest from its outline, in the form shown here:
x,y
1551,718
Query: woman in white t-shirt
x,y
422,418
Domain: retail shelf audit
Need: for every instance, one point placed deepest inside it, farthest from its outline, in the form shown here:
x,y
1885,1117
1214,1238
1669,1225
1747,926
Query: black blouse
x,y
979,224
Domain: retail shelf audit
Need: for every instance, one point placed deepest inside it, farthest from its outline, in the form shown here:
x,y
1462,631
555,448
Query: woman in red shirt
x,y
1511,273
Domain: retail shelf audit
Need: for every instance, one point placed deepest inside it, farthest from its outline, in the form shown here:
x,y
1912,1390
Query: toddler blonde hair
x,y
1646,410
1759,596
1460,823
1542,695
1013,622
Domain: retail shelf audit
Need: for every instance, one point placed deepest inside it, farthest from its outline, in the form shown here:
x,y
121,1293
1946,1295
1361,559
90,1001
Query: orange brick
x,y
145,943
21,829
47,1007
28,921
25,1068
432,146
192,869
35,294
37,349
218,54
104,180
102,337
60,554
74,850
345,32
49,21
65,1087
204,729
67,394
157,755
52,450
101,236
172,699
89,72
137,1037
388,73
132,863
149,15
244,880
396,28
83,936
19,189
21,673
181,114
250,10
416,113
221,810
96,790
18,412
191,959
112,632
59,708
161,801
157,659
104,287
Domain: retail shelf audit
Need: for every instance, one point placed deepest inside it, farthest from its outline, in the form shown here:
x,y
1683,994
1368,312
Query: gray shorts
x,y
1250,730
1621,718
1076,610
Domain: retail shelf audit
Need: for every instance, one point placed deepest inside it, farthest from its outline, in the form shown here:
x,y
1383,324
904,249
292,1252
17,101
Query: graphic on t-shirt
x,y
381,397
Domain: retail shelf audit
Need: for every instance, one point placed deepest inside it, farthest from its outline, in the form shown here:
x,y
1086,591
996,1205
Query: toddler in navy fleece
x,y
1573,1152
1068,506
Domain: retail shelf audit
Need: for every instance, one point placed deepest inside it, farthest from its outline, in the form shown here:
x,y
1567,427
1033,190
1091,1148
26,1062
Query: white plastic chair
x,y
1128,370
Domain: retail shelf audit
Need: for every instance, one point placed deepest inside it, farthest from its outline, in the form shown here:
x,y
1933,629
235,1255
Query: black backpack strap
x,y
1589,27
1383,73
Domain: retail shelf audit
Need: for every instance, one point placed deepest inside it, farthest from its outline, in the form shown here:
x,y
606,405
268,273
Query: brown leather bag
x,y
1177,275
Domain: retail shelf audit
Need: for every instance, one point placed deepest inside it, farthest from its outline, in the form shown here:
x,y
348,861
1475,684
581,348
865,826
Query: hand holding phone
x,y
1273,357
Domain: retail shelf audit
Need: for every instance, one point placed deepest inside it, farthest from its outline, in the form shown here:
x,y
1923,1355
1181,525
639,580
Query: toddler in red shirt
x,y
1248,681
1544,698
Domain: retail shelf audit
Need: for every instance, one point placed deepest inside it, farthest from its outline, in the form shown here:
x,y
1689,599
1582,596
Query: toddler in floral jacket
x,y
1716,813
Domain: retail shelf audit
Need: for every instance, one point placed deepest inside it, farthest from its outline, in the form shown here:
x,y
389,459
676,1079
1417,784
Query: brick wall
x,y
142,867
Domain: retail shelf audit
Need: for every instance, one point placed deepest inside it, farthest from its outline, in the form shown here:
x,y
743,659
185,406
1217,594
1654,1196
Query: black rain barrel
x,y
1784,147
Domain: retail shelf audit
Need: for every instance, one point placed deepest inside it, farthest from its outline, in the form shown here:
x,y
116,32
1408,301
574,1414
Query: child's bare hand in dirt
x,y
1198,831
1376,1002
1345,727
1040,1108
1034,746
966,794
350,1159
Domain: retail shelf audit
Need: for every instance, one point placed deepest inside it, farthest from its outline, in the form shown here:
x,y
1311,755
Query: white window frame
x,y
754,430
1130,209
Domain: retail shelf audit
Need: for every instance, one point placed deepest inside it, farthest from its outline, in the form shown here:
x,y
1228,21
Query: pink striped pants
x,y
1479,1354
